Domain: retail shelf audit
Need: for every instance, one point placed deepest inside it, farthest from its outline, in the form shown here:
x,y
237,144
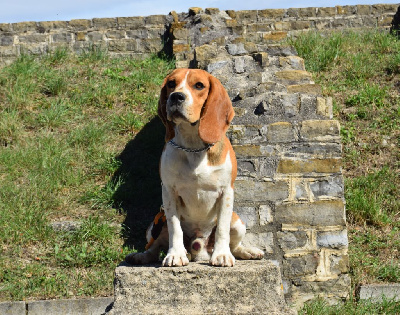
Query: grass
x,y
63,121
361,71
66,130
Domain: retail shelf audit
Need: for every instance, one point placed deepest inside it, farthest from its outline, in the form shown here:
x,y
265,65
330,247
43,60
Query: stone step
x,y
250,287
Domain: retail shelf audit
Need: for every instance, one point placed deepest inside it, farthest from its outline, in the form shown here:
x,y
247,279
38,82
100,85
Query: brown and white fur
x,y
197,188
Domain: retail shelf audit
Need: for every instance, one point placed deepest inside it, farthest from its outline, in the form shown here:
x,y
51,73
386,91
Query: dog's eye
x,y
199,86
171,84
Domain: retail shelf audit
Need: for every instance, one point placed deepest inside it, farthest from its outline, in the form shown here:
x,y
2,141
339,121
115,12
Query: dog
x,y
197,169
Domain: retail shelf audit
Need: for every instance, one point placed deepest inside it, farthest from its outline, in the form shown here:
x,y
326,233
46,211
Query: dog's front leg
x,y
176,255
222,255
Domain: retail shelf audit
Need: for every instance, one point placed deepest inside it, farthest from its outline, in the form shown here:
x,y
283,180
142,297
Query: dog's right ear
x,y
162,112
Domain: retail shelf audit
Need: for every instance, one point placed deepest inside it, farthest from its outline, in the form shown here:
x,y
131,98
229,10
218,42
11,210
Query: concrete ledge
x,y
250,287
377,292
12,308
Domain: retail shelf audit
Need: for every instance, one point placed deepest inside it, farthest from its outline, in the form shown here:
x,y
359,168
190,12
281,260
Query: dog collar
x,y
207,147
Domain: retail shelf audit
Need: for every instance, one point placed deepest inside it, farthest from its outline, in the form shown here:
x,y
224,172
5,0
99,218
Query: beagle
x,y
197,169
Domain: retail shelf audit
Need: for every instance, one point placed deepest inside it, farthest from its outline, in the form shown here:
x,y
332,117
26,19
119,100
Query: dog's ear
x,y
217,113
162,112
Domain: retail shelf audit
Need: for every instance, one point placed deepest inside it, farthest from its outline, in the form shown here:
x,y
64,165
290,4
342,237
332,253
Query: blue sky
x,y
51,10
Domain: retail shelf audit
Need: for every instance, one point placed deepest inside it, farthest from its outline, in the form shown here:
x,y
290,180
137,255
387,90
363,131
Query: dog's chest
x,y
196,184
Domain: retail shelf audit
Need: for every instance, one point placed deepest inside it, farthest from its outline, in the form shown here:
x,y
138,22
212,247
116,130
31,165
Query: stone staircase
x,y
250,287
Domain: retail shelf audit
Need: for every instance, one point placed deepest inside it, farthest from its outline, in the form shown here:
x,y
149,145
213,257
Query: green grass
x,y
64,120
361,71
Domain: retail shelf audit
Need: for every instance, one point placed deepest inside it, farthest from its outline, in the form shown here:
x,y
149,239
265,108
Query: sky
x,y
65,10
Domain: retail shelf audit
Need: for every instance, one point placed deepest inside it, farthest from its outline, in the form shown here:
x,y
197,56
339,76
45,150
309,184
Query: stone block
x,y
250,287
5,27
268,165
290,240
246,16
254,191
330,187
115,34
333,291
370,21
104,23
282,26
385,20
78,306
363,9
326,12
247,167
23,27
130,23
181,33
274,36
248,215
324,107
178,48
243,151
12,308
384,8
80,36
333,239
271,14
305,88
294,76
262,59
338,264
320,130
6,40
61,37
294,62
140,33
261,240
212,11
95,36
247,134
300,25
33,38
265,214
379,292
80,24
328,213
48,26
346,10
295,166
280,132
312,150
206,52
300,266
159,19
340,23
195,11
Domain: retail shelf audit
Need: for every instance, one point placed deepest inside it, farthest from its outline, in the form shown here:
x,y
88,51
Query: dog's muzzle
x,y
175,104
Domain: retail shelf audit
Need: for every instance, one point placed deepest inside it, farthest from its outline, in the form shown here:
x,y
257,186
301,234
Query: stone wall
x,y
289,189
143,36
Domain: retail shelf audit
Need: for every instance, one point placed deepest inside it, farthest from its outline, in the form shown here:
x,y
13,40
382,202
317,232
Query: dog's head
x,y
195,96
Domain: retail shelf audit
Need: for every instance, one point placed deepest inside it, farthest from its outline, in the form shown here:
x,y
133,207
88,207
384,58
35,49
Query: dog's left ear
x,y
162,112
217,113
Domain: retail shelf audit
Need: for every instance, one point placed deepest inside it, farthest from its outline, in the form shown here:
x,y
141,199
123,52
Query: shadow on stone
x,y
140,194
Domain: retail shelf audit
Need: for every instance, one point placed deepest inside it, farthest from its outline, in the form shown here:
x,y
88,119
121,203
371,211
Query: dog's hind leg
x,y
153,248
237,233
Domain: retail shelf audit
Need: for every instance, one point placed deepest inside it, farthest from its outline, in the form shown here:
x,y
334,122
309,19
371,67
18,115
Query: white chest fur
x,y
195,186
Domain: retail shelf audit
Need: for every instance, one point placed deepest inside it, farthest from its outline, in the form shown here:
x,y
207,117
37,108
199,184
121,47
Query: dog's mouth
x,y
177,117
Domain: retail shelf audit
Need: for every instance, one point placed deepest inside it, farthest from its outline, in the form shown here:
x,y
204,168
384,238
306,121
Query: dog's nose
x,y
177,98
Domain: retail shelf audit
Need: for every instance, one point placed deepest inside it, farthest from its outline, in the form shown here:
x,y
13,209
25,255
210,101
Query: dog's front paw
x,y
175,259
222,259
